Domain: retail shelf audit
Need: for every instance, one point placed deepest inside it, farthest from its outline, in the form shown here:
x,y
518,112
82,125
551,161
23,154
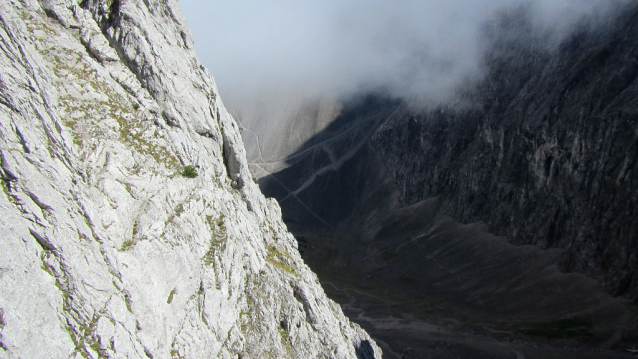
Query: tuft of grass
x,y
171,295
175,354
220,222
5,187
128,301
285,339
135,229
218,242
85,336
189,172
129,243
281,260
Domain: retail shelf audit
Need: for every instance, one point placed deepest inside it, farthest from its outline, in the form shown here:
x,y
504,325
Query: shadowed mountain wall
x,y
547,153
386,203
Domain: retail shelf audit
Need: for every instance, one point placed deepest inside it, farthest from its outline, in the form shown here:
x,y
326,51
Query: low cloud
x,y
265,50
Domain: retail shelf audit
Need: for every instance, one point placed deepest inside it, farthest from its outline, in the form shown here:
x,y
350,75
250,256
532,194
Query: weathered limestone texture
x,y
106,249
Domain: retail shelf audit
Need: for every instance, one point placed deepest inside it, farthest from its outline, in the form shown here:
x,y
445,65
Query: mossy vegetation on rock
x,y
189,172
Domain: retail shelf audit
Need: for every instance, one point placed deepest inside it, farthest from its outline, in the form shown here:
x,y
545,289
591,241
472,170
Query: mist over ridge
x,y
266,54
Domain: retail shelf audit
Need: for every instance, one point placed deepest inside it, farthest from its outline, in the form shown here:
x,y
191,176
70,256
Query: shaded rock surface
x,y
546,155
106,250
424,284
500,226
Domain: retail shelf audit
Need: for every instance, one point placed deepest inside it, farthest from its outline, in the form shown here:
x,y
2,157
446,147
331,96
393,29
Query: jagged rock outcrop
x,y
546,152
107,250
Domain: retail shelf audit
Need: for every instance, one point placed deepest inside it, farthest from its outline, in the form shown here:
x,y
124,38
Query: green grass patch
x,y
281,260
179,209
285,340
175,354
171,295
5,187
220,222
85,336
129,243
189,172
218,242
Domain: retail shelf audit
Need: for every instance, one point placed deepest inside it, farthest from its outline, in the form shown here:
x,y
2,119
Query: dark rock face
x,y
386,203
545,154
327,176
365,351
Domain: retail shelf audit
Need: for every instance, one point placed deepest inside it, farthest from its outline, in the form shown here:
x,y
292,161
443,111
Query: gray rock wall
x,y
546,153
106,249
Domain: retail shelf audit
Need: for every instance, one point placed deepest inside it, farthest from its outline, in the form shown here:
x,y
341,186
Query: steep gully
x,y
380,206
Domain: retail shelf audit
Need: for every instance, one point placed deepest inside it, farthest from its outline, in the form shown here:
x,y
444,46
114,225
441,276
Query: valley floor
x,y
427,286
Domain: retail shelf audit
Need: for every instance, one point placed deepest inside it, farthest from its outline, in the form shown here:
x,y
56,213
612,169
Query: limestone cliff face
x,y
106,249
547,153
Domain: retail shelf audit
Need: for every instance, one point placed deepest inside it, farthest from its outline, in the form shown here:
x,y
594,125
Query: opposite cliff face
x,y
107,249
496,226
547,153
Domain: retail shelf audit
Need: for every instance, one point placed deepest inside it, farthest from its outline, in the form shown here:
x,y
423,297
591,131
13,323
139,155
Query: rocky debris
x,y
107,250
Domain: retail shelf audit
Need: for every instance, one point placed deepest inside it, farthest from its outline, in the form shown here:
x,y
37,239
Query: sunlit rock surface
x,y
106,249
